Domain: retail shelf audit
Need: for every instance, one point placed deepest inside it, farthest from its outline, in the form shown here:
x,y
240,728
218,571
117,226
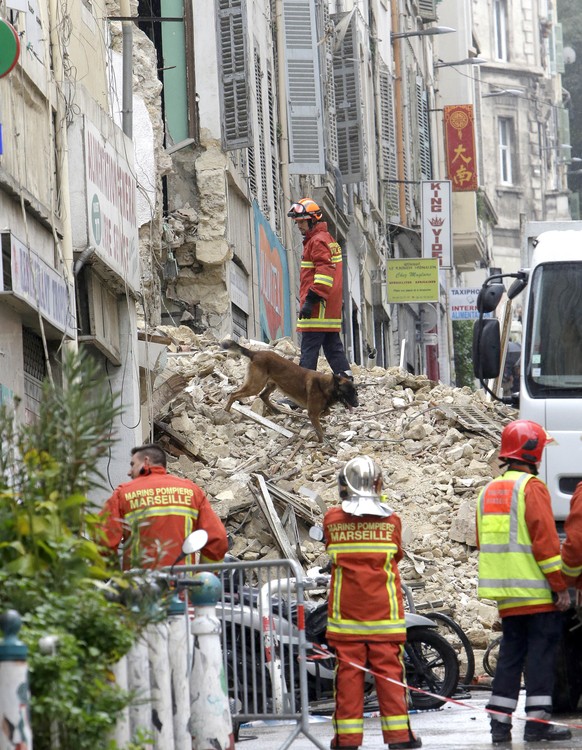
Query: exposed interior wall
x,y
197,222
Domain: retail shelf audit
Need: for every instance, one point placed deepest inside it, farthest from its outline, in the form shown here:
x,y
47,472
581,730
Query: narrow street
x,y
452,726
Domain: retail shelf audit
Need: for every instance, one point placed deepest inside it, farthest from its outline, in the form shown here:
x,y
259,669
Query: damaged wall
x,y
198,235
151,160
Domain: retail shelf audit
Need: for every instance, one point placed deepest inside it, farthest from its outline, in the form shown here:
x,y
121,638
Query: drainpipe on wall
x,y
398,107
284,159
127,77
62,150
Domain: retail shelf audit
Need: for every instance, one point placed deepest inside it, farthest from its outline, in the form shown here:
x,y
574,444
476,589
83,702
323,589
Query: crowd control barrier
x,y
261,670
262,616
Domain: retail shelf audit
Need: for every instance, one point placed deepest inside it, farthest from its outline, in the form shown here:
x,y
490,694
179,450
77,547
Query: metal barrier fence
x,y
262,614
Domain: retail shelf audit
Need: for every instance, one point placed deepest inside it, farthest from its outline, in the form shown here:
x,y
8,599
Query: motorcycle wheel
x,y
455,635
431,664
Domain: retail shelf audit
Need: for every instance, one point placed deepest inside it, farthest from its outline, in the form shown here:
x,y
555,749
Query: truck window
x,y
553,336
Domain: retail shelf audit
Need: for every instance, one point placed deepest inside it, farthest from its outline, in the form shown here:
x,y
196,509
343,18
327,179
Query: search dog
x,y
315,391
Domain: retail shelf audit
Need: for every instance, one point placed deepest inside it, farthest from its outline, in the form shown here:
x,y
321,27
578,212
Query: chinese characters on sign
x,y
460,147
436,221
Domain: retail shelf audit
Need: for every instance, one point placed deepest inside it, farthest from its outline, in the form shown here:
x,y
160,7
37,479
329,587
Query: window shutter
x,y
564,148
305,121
427,10
261,135
559,42
346,75
233,63
329,90
388,163
274,149
423,130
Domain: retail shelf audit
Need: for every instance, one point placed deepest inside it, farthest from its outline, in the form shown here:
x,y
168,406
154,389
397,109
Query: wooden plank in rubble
x,y
262,420
266,505
306,508
174,444
166,391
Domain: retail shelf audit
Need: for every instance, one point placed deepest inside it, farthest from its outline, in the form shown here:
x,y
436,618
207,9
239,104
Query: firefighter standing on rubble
x,y
519,567
366,624
320,290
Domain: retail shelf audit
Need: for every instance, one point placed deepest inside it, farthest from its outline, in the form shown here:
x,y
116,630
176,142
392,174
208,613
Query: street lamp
x,y
432,31
466,61
503,92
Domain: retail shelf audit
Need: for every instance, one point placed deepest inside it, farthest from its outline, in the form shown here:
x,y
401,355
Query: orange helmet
x,y
305,209
523,440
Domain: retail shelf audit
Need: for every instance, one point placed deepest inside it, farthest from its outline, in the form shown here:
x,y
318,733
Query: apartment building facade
x,y
68,212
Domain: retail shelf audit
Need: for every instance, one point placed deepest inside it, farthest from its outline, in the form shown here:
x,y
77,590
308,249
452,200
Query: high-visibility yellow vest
x,y
508,571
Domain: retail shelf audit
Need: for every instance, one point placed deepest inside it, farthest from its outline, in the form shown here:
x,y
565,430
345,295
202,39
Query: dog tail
x,y
234,345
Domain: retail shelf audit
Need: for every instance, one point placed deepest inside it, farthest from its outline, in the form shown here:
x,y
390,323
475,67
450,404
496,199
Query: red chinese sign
x,y
460,147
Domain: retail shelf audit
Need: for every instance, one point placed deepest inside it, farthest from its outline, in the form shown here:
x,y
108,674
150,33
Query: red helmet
x,y
305,209
523,440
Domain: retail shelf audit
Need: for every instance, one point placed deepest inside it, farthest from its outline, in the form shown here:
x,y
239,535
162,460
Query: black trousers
x,y
333,349
529,645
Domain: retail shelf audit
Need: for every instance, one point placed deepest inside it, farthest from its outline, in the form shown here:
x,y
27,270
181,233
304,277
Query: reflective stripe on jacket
x,y
508,570
365,600
153,514
321,272
572,547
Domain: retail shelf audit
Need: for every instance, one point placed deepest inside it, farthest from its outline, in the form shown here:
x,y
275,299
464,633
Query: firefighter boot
x,y
535,731
412,743
500,731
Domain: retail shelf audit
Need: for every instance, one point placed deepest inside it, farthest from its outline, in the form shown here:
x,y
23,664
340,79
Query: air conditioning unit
x,y
98,314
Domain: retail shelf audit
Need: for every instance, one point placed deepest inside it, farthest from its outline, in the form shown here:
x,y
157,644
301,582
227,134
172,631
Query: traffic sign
x,y
9,47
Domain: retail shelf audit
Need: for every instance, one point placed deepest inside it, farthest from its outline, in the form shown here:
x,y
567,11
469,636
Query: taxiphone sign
x,y
111,196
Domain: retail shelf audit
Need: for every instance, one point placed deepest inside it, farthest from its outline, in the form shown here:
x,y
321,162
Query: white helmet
x,y
360,486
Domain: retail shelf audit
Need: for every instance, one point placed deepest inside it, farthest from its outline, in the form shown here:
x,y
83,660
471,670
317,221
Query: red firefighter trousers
x,y
384,658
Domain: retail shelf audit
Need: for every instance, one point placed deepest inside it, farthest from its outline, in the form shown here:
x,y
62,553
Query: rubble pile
x,y
270,480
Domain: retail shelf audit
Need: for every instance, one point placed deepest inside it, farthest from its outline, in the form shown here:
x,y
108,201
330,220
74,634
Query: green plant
x,y
463,347
51,568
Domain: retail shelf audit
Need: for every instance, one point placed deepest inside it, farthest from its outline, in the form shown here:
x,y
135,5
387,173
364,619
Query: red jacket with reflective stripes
x,y
163,509
365,602
572,547
321,271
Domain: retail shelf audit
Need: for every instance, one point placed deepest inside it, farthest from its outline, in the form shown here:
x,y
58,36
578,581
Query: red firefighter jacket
x,y
321,271
153,514
572,547
365,602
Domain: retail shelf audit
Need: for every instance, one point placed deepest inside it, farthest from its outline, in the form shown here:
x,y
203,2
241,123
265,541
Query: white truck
x,y
550,383
550,390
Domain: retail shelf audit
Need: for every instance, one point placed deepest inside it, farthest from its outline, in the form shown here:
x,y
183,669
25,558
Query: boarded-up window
x,y
305,119
234,69
346,73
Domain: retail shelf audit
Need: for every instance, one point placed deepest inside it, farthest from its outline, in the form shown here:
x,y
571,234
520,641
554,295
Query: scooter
x,y
430,661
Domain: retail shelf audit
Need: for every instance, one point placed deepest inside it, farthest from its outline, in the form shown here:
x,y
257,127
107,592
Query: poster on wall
x,y
273,275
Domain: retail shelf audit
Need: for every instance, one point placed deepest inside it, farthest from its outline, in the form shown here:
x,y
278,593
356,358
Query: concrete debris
x,y
437,446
